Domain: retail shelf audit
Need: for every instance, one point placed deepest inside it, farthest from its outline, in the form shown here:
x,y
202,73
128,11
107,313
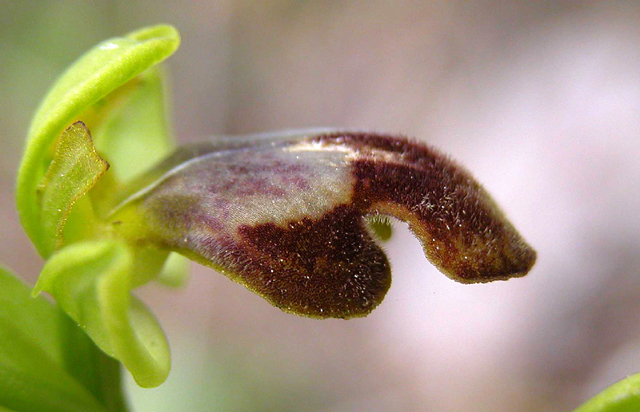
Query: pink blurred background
x,y
540,100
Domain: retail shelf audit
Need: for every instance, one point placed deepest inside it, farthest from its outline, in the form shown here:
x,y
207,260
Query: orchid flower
x,y
294,216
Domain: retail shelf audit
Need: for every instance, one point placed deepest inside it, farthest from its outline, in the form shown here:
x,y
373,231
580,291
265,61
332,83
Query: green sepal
x,y
622,396
96,74
47,363
92,282
76,167
175,272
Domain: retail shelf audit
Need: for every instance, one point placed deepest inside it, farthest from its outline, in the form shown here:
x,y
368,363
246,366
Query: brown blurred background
x,y
541,100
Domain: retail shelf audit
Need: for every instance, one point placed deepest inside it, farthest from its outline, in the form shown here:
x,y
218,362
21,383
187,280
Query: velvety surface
x,y
283,215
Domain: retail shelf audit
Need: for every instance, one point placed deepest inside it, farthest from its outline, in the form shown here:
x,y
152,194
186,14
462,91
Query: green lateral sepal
x,y
92,283
98,73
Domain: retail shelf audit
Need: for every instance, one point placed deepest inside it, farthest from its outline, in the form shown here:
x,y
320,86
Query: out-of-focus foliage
x,y
47,363
623,396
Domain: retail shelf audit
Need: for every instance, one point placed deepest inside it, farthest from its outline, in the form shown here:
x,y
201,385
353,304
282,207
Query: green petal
x,y
622,396
76,167
135,134
46,362
103,69
175,272
92,282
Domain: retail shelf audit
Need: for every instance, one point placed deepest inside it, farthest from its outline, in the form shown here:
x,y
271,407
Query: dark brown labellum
x,y
284,215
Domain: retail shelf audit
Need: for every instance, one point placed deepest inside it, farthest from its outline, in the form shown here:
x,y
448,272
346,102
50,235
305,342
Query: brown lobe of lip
x,y
329,267
461,229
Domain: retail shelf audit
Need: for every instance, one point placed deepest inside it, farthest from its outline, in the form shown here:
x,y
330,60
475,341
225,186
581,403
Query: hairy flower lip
x,y
283,214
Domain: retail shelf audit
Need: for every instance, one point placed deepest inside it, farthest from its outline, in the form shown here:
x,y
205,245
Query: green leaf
x,y
46,362
99,72
76,167
92,282
622,396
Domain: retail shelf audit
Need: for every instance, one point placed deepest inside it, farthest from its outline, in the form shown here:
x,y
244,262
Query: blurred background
x,y
541,100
